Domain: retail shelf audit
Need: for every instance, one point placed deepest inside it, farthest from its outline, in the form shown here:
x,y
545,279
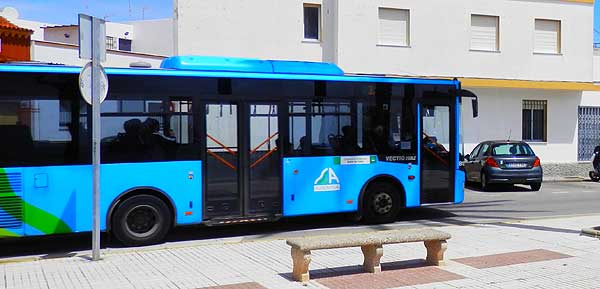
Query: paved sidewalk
x,y
547,253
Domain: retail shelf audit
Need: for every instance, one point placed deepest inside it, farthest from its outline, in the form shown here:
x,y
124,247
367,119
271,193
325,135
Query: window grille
x,y
111,43
588,132
534,120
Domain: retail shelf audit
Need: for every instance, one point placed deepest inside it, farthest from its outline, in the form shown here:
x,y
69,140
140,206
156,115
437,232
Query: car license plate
x,y
516,165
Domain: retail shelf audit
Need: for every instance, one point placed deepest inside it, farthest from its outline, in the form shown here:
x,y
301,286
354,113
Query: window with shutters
x,y
547,36
485,33
534,120
394,27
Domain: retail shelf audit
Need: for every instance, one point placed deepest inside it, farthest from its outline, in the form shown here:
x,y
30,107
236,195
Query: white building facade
x,y
530,62
148,41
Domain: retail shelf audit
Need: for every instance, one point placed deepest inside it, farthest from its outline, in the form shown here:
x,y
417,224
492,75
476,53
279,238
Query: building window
x,y
124,44
534,120
485,33
394,27
312,21
111,43
547,36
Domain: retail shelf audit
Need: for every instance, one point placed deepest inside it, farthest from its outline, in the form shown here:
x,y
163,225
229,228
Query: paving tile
x,y
505,259
248,285
352,279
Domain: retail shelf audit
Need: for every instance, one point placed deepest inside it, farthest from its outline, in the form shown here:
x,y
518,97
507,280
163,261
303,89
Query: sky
x,y
65,11
596,21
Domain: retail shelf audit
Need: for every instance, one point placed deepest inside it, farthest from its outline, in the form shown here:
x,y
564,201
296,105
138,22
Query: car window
x,y
512,149
484,149
475,151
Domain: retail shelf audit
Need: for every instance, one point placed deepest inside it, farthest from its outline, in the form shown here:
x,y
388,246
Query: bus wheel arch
x,y
381,188
144,200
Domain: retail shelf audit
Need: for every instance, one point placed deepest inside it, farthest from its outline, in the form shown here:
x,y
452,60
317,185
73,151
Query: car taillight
x,y
491,162
536,163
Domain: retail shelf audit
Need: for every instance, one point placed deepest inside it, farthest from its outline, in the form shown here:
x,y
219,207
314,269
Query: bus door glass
x,y
264,161
222,198
437,149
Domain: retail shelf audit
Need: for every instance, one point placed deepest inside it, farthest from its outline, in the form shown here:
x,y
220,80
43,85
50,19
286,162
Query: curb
x,y
19,260
565,180
591,232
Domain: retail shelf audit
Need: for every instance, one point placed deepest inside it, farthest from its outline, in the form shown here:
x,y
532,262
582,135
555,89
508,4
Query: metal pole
x,y
96,137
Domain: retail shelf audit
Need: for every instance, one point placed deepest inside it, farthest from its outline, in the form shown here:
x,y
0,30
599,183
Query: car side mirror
x,y
467,157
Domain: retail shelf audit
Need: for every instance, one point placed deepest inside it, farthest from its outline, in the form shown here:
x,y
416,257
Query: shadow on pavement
x,y
358,269
538,228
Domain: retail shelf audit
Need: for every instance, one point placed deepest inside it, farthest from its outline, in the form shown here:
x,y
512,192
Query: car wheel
x,y
141,220
382,203
485,186
536,186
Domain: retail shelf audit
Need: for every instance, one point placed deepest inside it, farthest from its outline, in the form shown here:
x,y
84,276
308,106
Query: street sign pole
x,y
94,87
96,55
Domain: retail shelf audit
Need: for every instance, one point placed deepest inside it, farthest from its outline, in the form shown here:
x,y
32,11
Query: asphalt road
x,y
506,203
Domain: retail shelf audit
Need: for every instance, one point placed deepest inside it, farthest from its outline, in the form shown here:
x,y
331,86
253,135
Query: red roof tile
x,y
5,24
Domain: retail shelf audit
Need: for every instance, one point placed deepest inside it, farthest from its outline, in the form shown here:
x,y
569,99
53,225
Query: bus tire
x,y
382,203
141,220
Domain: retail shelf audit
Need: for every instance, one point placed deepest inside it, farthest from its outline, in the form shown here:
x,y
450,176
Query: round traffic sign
x,y
85,83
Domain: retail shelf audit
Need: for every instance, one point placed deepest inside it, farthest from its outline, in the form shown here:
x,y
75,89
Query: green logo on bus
x,y
327,181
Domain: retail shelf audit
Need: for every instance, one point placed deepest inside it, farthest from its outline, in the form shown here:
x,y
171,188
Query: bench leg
x,y
435,252
301,261
372,254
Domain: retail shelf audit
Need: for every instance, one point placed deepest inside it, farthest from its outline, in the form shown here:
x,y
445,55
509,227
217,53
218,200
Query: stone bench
x,y
371,244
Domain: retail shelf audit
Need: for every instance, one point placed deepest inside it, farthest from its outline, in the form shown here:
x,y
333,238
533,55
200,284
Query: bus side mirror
x,y
475,105
474,100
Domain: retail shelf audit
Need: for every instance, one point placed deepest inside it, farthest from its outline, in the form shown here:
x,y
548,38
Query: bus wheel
x,y
141,220
382,203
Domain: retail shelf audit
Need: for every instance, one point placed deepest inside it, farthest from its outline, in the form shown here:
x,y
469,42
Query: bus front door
x,y
437,151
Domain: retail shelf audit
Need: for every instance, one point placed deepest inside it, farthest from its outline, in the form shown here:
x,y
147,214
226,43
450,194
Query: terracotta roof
x,y
5,24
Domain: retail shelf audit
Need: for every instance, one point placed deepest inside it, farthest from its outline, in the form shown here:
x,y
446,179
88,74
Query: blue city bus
x,y
215,141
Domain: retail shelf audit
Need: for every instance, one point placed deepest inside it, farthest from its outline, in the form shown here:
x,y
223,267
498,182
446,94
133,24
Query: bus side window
x,y
297,133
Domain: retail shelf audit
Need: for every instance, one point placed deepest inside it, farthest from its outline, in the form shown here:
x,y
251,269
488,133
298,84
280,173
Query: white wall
x,y
68,55
270,29
500,115
154,36
120,30
440,40
115,30
66,34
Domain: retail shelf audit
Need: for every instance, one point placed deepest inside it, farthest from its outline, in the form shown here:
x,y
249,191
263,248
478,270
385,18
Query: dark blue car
x,y
503,162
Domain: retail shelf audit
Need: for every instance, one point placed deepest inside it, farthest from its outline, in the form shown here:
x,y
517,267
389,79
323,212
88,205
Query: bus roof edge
x,y
233,64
